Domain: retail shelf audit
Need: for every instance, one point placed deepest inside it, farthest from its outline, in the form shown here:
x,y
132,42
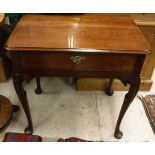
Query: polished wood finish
x,y
129,97
86,45
147,19
18,84
6,111
146,23
77,32
92,62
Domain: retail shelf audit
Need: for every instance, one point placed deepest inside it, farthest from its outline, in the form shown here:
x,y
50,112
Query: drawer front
x,y
77,61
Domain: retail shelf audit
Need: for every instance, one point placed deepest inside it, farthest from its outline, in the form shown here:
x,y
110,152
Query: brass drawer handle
x,y
77,59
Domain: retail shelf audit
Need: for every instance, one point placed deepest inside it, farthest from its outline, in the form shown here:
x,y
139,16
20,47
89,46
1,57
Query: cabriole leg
x,y
18,84
129,97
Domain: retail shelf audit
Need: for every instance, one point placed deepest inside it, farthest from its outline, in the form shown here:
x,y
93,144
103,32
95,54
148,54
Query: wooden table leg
x,y
129,97
109,91
18,84
38,90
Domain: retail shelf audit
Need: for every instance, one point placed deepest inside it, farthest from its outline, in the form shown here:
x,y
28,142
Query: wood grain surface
x,y
146,23
5,110
147,19
114,33
106,45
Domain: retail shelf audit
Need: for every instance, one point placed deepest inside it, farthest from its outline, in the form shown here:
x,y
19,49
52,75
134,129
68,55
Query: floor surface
x,y
61,111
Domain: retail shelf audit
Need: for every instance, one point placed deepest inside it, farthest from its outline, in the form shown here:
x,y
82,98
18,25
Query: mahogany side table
x,y
86,45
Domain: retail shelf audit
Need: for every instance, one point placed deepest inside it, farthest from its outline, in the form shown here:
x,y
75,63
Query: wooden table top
x,y
147,19
114,33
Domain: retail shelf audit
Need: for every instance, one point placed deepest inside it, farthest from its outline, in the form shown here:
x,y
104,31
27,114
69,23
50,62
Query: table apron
x,y
77,64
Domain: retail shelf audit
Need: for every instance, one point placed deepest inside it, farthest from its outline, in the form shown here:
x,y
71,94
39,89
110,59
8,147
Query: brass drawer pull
x,y
77,59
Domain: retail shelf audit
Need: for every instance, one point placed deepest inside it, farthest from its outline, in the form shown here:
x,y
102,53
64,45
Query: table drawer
x,y
77,61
